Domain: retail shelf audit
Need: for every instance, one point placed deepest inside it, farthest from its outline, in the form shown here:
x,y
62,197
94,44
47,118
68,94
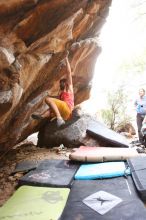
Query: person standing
x,y
140,104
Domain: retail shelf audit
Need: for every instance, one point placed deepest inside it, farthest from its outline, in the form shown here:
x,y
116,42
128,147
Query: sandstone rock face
x,y
34,35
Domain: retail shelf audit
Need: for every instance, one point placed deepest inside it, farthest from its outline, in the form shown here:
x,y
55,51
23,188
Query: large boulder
x,y
81,129
72,134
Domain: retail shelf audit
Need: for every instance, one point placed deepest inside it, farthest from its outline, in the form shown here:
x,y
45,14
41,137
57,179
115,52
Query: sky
x,y
122,36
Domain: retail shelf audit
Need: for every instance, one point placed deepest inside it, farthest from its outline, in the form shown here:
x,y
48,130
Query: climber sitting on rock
x,y
60,108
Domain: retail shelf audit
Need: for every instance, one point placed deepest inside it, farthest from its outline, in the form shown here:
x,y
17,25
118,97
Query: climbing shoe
x,y
60,122
36,117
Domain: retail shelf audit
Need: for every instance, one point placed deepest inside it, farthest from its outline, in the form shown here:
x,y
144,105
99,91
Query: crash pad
x,y
102,170
35,203
100,132
56,173
102,154
108,199
138,171
25,166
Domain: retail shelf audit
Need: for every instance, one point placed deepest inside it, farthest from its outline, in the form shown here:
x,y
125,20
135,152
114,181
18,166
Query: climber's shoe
x,y
36,117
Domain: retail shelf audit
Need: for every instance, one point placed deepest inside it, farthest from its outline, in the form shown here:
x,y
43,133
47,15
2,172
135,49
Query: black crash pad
x,y
129,207
138,171
56,173
99,131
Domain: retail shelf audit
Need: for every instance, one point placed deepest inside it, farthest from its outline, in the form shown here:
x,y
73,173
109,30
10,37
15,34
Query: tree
x,y
116,111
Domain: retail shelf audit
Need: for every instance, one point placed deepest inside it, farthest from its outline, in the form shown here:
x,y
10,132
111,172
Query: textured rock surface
x,y
80,130
72,134
34,34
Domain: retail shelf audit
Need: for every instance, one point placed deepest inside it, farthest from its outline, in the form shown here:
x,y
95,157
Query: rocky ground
x,y
22,152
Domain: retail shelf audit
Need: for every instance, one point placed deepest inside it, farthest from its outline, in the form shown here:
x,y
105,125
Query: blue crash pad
x,y
101,170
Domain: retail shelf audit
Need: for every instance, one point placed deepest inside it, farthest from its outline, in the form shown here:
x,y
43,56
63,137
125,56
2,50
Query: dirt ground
x,y
22,152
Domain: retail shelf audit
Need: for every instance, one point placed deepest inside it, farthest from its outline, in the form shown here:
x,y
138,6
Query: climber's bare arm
x,y
69,75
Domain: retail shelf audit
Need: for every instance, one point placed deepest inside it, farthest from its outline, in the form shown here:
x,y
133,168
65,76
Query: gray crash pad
x,y
110,199
138,170
100,131
26,166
